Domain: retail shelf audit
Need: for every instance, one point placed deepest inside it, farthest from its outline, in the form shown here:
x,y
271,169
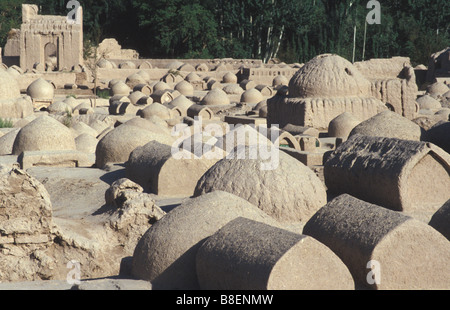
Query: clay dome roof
x,y
41,89
215,97
327,76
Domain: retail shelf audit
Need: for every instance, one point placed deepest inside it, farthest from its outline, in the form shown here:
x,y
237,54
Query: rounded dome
x,y
104,63
135,96
136,79
113,81
161,86
389,124
41,89
328,76
181,102
280,80
437,88
127,65
156,109
229,78
192,77
185,88
117,144
144,75
58,107
216,97
342,125
120,88
44,133
233,89
252,96
9,88
244,177
174,65
428,102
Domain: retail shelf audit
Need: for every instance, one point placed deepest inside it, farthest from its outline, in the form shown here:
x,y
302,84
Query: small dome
x,y
233,89
41,90
120,88
252,96
127,65
135,96
144,75
342,125
389,124
174,65
58,107
9,88
229,78
113,81
187,68
427,102
185,88
437,88
215,97
104,63
192,77
44,133
202,67
181,102
156,109
136,79
161,86
280,80
328,76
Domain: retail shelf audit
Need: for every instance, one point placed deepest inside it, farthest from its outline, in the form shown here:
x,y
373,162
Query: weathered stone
x,y
389,124
41,93
439,135
117,144
156,109
86,143
250,255
215,97
246,178
393,81
437,89
25,204
342,125
50,38
43,133
313,80
185,88
7,141
229,78
158,171
252,96
401,175
58,158
406,253
327,86
166,254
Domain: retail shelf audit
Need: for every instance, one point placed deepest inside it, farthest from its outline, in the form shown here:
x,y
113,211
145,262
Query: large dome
x,y
327,76
9,88
41,89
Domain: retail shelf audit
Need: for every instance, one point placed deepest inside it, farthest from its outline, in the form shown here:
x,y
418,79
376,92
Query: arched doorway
x,y
51,57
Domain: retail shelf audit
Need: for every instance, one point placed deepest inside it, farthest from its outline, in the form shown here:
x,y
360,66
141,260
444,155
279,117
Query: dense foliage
x,y
291,30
